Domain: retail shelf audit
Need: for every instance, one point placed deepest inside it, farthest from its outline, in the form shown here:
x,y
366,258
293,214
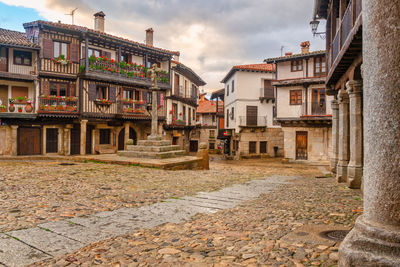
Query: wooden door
x,y
252,147
76,140
174,141
251,115
263,147
301,145
3,59
121,139
29,141
268,89
89,136
194,146
318,106
52,140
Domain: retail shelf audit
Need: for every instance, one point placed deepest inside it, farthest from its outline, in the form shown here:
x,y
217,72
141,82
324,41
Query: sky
x,y
212,35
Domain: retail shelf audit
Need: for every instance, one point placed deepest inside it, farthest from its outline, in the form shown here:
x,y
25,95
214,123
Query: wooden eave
x,y
17,115
15,76
59,75
187,101
178,127
303,81
190,74
306,121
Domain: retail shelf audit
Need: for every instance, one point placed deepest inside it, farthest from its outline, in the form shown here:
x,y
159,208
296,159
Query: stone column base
x,y
341,172
334,163
354,176
370,245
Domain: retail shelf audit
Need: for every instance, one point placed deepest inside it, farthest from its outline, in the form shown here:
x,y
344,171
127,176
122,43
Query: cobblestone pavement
x,y
276,229
34,192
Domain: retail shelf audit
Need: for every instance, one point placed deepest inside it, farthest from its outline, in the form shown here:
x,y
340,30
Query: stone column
x,y
44,137
335,135
83,136
154,117
126,134
67,135
375,239
60,141
344,137
14,141
355,167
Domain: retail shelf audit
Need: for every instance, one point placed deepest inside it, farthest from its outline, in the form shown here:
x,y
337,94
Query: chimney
x,y
305,47
99,21
288,54
149,36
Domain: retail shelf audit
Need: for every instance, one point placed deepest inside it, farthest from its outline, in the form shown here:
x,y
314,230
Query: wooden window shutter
x,y
113,94
48,48
74,52
92,92
45,88
72,89
144,96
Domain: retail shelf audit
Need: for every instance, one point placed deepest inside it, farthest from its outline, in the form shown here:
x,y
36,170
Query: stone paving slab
x,y
57,238
46,241
15,253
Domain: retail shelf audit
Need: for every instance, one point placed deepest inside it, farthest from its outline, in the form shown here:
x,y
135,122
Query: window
x,y
61,49
94,52
227,118
233,86
59,89
263,147
252,147
194,114
297,65
101,92
233,113
227,90
213,118
212,133
18,91
211,146
295,97
319,65
105,136
150,63
22,58
128,94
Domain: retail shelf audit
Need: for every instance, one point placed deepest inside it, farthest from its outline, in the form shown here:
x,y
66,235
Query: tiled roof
x,y
84,29
207,106
284,58
259,67
264,67
11,38
182,66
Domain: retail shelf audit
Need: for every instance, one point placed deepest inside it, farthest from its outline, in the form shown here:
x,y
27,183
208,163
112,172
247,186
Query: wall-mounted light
x,y
314,28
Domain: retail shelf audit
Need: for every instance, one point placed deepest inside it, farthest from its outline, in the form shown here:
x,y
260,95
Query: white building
x,y
249,109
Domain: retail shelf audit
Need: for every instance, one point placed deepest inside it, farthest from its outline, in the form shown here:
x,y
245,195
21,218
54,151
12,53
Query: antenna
x,y
72,15
282,50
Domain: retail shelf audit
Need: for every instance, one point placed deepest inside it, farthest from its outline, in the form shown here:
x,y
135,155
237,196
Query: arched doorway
x,y
121,138
132,135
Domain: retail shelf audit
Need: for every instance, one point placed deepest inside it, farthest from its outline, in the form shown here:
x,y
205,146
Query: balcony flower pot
x,y
20,109
11,108
28,107
3,108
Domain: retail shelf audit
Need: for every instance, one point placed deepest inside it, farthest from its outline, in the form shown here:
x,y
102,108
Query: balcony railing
x,y
267,93
18,107
313,109
177,121
121,70
181,92
133,107
348,22
253,121
58,104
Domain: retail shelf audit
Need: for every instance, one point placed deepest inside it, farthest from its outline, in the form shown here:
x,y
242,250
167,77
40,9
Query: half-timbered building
x,y
19,88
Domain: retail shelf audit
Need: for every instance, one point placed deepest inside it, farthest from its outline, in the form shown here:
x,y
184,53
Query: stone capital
x,y
354,87
84,121
343,97
14,127
68,126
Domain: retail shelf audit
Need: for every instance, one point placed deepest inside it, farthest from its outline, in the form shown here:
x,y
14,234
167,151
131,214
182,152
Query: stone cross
x,y
154,109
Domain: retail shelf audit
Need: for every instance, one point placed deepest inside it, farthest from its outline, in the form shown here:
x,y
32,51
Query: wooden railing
x,y
258,121
347,24
133,107
54,104
267,93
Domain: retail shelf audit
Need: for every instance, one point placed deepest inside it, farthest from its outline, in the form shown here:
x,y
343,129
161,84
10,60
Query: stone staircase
x,y
154,149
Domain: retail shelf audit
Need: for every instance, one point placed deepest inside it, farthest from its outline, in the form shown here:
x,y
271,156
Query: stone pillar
x,y
335,135
67,135
203,153
44,137
14,141
83,136
126,134
375,239
60,141
154,117
355,167
344,137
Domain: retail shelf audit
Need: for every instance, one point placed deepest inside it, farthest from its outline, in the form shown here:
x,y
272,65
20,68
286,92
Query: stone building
x,y
182,101
249,104
344,83
302,107
207,120
363,49
90,90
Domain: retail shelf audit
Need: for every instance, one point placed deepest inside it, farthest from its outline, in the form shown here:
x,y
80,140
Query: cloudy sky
x,y
212,35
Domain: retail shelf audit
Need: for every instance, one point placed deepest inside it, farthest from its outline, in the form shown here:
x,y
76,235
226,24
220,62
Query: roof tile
x,y
15,38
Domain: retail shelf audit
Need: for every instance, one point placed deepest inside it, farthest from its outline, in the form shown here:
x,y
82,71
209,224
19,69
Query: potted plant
x,y
20,98
11,107
28,107
20,109
2,108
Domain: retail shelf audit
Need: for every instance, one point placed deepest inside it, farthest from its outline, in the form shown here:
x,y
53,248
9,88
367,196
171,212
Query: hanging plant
x,y
62,60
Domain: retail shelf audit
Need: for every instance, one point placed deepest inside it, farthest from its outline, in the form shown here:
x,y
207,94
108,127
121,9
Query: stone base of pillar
x,y
370,245
154,138
334,163
354,176
341,172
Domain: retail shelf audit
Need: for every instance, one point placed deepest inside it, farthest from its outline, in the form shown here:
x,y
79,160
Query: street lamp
x,y
314,27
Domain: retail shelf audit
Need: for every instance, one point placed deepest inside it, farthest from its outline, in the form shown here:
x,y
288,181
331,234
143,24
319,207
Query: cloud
x,y
212,36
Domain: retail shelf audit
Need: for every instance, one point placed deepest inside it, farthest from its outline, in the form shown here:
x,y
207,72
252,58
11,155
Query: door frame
x,y
303,133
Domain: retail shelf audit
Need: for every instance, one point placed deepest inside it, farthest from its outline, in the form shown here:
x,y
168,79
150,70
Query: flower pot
x,y
2,110
28,108
11,108
19,109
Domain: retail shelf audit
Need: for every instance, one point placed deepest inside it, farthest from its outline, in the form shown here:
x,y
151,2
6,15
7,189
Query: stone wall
x,y
319,144
5,140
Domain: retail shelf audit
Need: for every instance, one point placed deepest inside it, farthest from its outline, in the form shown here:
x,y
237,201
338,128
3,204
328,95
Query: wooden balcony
x,y
252,121
130,74
267,94
11,108
58,105
346,45
179,94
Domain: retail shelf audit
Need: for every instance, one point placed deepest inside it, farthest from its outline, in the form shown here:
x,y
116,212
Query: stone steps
x,y
153,148
154,143
151,154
